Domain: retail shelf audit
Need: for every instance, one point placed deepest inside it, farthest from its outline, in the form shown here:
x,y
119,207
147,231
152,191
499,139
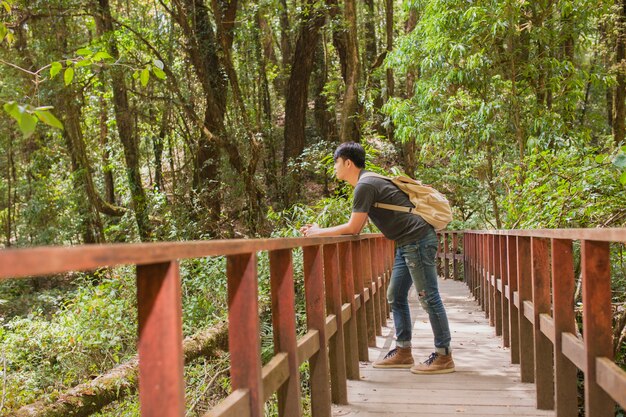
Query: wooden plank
x,y
524,285
308,345
546,325
483,385
455,257
237,404
574,350
529,311
21,263
359,287
544,354
563,288
160,344
316,320
336,349
612,379
331,326
244,329
284,324
593,234
349,311
378,263
597,322
274,374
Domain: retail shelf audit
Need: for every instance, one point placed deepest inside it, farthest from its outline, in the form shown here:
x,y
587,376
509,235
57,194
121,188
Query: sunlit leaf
x,y
55,68
135,75
68,76
13,110
6,6
3,31
622,179
101,55
158,63
158,73
27,124
49,119
145,76
84,52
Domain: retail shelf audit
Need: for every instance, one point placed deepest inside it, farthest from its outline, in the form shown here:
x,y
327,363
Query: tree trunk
x,y
350,111
390,80
619,107
10,174
109,186
324,117
298,85
125,124
285,38
409,147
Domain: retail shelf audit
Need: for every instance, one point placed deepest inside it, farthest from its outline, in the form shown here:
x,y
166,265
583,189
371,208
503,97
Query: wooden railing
x,y
344,278
525,282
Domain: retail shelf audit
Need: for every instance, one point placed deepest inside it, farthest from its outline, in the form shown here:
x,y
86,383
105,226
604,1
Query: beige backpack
x,y
429,203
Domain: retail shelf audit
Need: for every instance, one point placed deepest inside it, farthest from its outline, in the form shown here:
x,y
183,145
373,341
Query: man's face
x,y
340,168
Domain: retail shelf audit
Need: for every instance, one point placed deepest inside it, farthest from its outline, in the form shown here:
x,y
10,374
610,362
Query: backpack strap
x,y
386,206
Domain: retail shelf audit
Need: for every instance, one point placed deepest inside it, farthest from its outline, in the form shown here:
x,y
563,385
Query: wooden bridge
x,y
514,333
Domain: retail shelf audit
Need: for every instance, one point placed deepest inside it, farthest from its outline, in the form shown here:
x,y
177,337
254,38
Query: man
x,y
416,248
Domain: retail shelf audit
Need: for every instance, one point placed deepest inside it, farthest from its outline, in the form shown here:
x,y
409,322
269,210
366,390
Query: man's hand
x,y
310,229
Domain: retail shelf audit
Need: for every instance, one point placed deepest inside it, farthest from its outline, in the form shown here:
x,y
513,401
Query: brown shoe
x,y
396,358
435,364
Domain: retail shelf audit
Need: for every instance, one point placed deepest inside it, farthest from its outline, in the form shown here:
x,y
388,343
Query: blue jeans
x,y
415,264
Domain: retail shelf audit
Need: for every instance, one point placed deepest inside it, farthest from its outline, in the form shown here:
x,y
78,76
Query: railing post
x,y
504,294
544,366
361,317
563,289
524,285
372,263
513,292
446,261
491,280
455,265
336,349
347,297
597,322
284,322
380,279
497,290
160,345
244,329
373,328
316,320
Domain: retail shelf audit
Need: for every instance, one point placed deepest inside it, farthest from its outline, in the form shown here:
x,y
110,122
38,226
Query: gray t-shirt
x,y
401,227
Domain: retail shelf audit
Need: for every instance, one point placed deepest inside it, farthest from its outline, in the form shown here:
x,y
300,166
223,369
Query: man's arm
x,y
353,227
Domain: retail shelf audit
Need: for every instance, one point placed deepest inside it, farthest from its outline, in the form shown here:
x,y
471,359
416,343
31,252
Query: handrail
x,y
344,277
524,281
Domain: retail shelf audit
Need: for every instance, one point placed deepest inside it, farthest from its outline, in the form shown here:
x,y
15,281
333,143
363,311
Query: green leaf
x,y
157,63
100,56
49,119
27,124
55,68
6,6
84,52
135,75
83,63
13,110
600,158
620,161
145,76
158,73
68,76
3,31
622,179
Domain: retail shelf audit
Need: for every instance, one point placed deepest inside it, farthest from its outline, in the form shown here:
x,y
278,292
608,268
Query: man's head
x,y
349,161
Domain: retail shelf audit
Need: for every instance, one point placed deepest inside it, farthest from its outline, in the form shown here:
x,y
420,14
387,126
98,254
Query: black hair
x,y
352,151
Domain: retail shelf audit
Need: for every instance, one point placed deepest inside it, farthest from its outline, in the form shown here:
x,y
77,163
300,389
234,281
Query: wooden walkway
x,y
485,383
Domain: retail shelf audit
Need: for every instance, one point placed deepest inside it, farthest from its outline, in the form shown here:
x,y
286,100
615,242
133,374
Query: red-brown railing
x,y
524,280
344,278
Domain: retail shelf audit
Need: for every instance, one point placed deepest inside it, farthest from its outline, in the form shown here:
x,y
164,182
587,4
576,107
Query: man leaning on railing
x,y
416,248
